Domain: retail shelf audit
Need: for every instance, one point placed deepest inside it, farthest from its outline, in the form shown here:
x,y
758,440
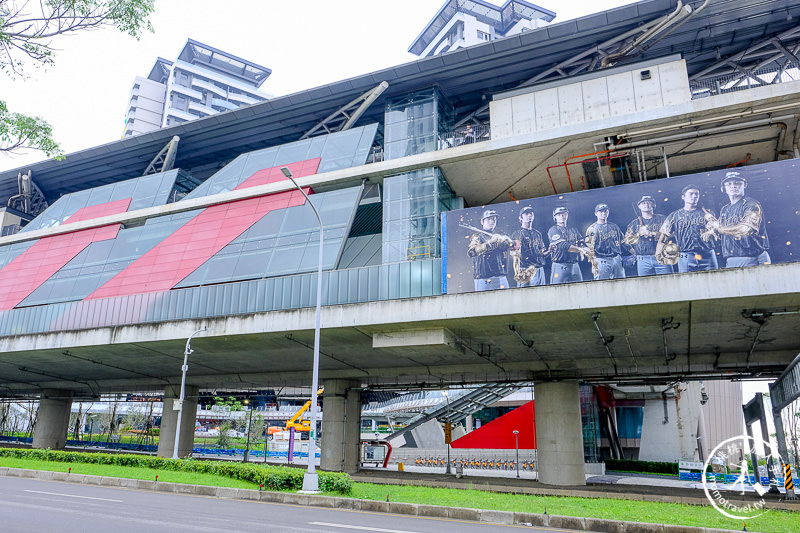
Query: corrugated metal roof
x,y
467,77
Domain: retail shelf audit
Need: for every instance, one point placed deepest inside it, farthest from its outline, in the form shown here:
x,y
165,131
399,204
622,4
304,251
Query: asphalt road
x,y
32,505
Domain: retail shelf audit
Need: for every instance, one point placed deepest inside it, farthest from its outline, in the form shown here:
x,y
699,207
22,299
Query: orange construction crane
x,y
302,425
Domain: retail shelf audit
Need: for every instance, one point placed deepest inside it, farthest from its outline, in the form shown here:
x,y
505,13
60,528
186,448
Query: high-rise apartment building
x,y
202,81
463,23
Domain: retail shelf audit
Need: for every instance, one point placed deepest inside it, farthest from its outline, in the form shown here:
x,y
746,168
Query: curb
x,y
597,525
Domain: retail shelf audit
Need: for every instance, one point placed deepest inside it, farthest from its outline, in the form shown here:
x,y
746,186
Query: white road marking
x,y
362,528
72,496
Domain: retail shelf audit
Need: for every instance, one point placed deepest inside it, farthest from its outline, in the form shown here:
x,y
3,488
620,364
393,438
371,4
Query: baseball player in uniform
x,y
530,259
642,235
564,249
687,226
489,253
605,238
741,225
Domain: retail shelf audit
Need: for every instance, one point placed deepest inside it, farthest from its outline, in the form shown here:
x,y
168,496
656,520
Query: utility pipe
x,y
702,133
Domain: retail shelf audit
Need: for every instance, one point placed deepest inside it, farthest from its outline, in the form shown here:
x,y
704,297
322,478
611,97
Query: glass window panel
x,y
285,261
123,190
267,226
252,265
258,160
226,179
292,152
75,201
300,218
146,190
100,195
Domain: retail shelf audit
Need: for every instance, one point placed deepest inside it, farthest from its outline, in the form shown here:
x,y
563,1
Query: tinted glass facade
x,y
413,203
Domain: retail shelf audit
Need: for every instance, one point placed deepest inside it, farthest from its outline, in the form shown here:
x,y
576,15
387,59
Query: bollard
x,y
400,467
788,483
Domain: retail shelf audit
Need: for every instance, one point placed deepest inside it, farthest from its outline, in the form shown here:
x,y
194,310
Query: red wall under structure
x,y
499,433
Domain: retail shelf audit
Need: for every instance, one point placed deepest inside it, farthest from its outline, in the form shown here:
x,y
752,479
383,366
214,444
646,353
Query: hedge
x,y
653,467
269,476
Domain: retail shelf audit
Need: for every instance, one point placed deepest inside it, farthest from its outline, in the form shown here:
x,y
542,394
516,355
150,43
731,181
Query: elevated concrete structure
x,y
386,323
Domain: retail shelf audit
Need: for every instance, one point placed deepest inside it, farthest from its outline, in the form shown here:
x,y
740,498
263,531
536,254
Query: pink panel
x,y
34,266
499,433
198,240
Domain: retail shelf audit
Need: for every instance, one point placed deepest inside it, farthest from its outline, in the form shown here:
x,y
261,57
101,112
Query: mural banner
x,y
736,217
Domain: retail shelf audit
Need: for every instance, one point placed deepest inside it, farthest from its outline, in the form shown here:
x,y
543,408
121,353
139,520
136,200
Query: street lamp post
x,y
310,479
516,445
184,368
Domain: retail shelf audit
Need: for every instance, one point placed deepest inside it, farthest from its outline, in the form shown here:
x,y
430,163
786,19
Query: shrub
x,y
270,476
652,467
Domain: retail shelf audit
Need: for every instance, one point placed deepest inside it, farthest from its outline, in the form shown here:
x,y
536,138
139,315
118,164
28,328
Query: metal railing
x,y
740,82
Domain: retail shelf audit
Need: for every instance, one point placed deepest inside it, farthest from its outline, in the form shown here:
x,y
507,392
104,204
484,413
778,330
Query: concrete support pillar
x,y
559,435
52,421
169,421
341,426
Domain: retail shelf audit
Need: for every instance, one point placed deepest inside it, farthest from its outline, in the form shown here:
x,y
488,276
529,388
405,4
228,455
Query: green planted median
x,y
268,476
250,476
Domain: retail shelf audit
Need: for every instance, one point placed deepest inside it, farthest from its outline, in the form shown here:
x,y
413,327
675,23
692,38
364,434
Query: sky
x,y
305,44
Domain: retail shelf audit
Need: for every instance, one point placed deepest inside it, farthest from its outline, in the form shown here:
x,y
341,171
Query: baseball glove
x,y
669,254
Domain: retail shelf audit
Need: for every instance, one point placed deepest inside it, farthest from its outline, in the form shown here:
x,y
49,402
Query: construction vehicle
x,y
296,421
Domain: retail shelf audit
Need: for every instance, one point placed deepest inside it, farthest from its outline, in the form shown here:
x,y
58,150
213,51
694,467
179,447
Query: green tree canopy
x,y
26,30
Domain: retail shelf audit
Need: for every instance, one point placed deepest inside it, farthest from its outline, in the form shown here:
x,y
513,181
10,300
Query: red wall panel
x,y
499,433
199,239
26,272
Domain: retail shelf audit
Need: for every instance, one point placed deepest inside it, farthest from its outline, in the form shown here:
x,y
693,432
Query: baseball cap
x,y
646,198
524,210
730,176
489,213
601,207
561,209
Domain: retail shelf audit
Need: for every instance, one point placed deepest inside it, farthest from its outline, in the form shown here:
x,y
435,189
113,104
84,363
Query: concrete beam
x,y
426,337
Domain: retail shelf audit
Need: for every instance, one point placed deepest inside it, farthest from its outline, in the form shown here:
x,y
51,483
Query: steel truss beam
x,y
624,46
779,51
346,116
165,158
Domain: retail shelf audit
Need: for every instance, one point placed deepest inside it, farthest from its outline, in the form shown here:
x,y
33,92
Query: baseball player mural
x,y
642,234
604,239
741,225
565,249
489,252
684,235
675,229
531,257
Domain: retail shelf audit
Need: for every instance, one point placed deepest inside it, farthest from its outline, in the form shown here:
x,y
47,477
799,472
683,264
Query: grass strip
x,y
774,521
129,472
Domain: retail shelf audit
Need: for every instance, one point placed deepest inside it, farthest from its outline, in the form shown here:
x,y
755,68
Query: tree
x,y
26,30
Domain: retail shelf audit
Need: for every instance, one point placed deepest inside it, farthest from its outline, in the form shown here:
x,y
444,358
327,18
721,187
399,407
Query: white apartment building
x,y
463,23
202,81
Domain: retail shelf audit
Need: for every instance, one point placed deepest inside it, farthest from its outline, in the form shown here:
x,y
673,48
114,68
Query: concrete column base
x,y
559,435
52,421
341,426
169,422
